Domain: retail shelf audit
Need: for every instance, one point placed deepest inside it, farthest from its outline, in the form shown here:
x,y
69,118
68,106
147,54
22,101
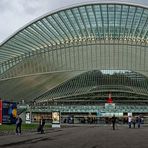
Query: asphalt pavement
x,y
79,137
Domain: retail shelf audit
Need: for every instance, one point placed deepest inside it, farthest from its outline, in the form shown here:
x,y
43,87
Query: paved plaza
x,y
79,137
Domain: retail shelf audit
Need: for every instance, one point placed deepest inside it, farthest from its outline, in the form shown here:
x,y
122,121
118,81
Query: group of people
x,y
19,124
131,120
134,120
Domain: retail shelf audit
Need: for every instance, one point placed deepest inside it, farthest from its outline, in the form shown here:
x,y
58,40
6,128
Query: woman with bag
x,y
18,125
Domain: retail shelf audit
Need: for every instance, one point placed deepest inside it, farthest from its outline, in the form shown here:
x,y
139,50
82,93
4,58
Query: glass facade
x,y
84,38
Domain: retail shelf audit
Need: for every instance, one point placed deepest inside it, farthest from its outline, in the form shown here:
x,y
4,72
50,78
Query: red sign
x,y
0,111
109,100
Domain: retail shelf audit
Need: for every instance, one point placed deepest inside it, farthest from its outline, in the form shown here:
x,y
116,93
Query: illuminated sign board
x,y
110,106
9,112
28,118
55,117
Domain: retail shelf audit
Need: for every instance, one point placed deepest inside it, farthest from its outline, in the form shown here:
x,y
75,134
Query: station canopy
x,y
85,39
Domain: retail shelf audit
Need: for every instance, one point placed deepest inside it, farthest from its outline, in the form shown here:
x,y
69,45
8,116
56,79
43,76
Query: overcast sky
x,y
14,14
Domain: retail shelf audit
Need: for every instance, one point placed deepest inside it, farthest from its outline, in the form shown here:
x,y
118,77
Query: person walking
x,y
139,121
41,125
18,125
134,121
113,121
129,121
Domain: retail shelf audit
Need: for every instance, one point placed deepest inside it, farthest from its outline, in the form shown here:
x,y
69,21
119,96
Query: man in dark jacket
x,y
113,121
41,125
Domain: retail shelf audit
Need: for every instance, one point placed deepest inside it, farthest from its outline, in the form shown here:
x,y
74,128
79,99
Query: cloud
x,y
14,14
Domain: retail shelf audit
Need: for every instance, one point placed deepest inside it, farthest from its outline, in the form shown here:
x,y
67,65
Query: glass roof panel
x,y
71,24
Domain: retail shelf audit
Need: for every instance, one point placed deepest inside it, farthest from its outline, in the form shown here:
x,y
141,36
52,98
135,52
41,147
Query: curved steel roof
x,y
95,21
76,85
94,85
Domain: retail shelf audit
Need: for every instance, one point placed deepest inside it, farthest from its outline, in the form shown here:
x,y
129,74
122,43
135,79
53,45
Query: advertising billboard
x,y
28,118
55,117
9,112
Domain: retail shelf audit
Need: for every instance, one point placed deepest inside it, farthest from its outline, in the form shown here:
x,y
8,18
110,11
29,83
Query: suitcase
x,y
39,128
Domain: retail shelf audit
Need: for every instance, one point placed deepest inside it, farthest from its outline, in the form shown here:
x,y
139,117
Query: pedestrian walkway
x,y
80,137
